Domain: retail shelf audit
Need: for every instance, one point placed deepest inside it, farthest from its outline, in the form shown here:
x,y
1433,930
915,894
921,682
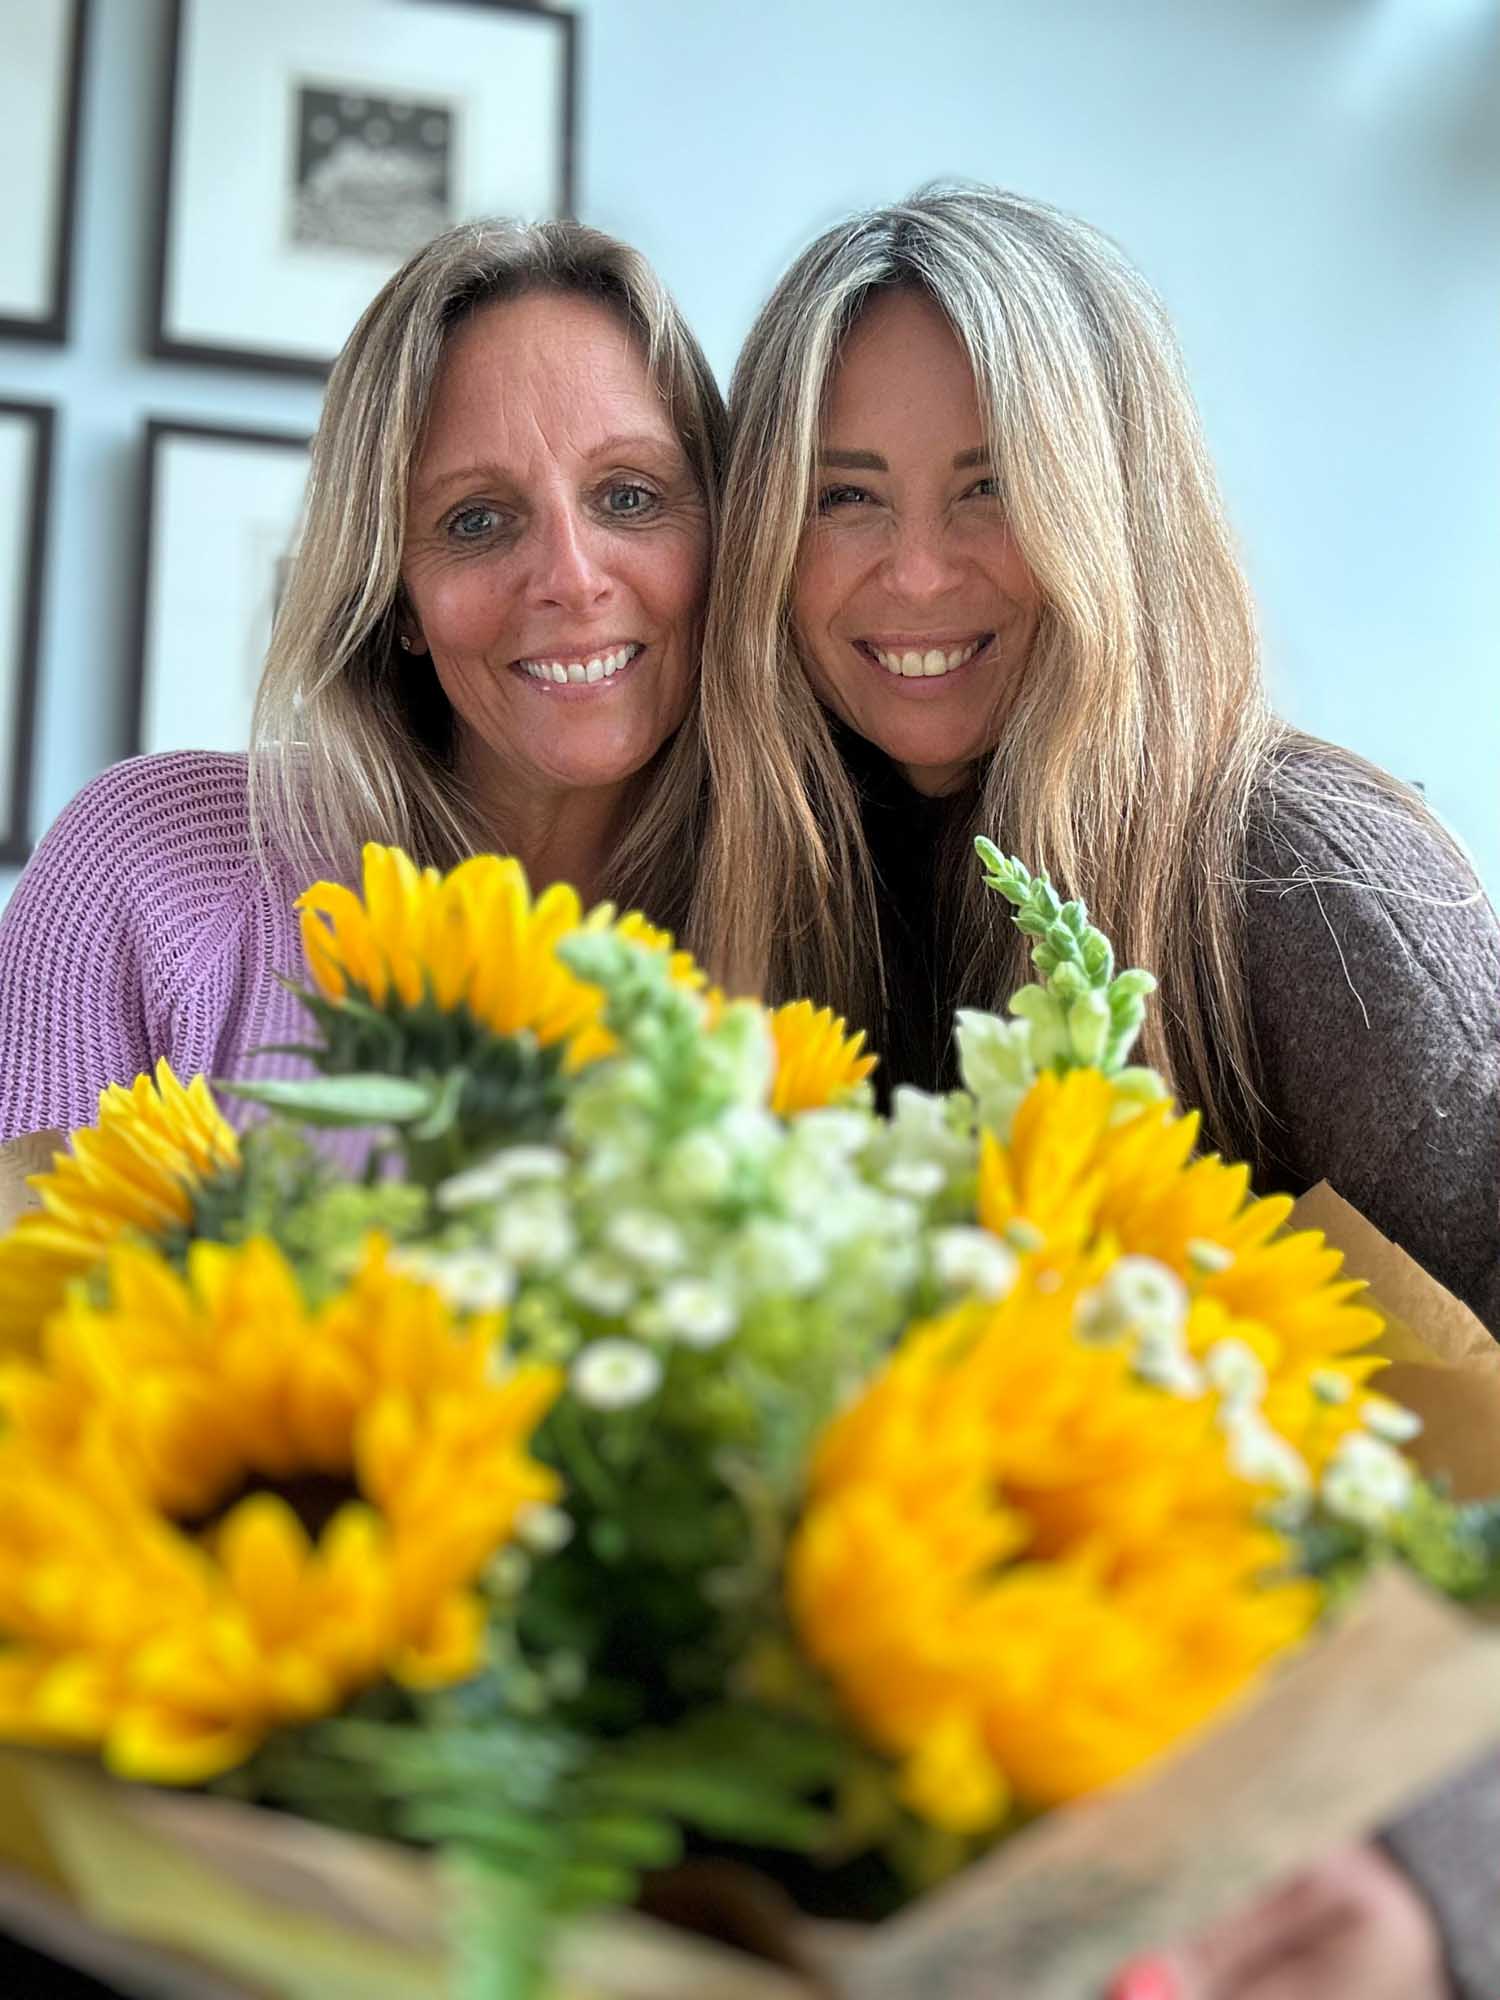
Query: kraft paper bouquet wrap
x,y
661,1483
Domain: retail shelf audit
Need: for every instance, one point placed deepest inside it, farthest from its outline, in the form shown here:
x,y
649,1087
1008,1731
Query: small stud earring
x,y
405,643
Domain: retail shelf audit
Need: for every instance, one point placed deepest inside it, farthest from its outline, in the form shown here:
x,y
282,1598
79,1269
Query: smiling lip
x,y
923,658
576,672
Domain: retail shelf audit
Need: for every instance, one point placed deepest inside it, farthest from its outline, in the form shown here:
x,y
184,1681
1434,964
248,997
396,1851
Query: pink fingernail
x,y
1145,1979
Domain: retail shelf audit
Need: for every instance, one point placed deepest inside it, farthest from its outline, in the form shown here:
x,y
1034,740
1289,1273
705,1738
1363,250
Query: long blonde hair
x,y
352,738
1133,744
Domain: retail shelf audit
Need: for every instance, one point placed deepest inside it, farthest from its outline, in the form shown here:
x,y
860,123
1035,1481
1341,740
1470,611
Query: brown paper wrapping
x,y
1445,1365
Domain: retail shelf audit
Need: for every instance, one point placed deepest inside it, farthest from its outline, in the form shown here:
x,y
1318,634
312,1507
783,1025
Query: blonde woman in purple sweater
x,y
490,642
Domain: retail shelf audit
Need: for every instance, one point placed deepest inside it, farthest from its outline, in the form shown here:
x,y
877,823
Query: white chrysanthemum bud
x,y
615,1374
543,1528
646,1238
1208,1257
496,1176
1236,1371
1262,1455
1367,1481
695,1312
602,1285
535,1232
1389,1421
972,1260
1330,1387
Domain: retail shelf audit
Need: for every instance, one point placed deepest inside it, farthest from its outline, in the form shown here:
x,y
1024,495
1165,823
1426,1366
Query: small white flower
x,y
833,1132
972,1260
1208,1257
535,1232
646,1238
602,1284
1136,1295
496,1176
775,1257
1162,1359
1367,1481
1262,1455
695,1312
473,1281
615,1374
917,1178
1023,1237
1390,1421
1236,1371
543,1528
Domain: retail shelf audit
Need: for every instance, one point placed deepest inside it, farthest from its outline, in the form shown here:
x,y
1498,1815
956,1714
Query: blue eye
x,y
628,499
472,524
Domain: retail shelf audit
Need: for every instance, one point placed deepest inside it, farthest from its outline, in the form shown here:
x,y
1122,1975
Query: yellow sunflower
x,y
1024,1570
228,1511
134,1174
473,939
1087,1168
817,1060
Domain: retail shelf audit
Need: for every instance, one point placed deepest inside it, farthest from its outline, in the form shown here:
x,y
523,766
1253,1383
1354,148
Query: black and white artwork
x,y
25,479
208,603
310,149
373,173
41,63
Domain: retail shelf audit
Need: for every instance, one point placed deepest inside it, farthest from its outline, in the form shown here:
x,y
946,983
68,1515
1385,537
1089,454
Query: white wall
x,y
1314,185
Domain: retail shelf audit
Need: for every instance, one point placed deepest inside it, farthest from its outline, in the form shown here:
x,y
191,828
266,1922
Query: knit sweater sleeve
x,y
1374,973
105,928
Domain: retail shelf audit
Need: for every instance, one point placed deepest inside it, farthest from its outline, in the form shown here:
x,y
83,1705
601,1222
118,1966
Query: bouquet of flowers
x,y
652,1449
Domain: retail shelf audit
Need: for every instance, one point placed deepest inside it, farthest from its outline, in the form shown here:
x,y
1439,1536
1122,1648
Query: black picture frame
x,y
20,678
153,554
166,340
52,324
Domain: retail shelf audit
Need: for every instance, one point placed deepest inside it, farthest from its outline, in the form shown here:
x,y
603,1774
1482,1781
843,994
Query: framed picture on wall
x,y
43,43
221,515
310,149
25,482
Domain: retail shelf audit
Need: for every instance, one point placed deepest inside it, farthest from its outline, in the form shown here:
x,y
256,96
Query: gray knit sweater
x,y
1374,968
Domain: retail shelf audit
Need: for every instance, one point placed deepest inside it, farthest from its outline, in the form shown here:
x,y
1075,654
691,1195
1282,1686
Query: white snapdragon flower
x,y
615,1374
698,1169
994,1060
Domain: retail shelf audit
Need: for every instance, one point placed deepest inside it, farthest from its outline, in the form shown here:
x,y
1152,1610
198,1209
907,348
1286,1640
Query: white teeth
x,y
928,665
576,673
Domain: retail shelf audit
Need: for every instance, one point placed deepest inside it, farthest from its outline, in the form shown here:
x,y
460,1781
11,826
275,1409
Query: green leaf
x,y
341,1100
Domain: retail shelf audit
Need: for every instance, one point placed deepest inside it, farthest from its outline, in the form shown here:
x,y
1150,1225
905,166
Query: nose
x,y
922,565
567,571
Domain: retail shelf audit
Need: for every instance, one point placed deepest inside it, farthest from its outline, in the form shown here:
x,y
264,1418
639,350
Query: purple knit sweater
x,y
144,926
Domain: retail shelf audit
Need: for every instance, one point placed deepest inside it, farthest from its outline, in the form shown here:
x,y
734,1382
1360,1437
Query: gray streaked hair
x,y
352,737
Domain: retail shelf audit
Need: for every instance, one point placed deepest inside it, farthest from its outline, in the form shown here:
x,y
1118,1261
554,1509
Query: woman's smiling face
x,y
915,610
556,552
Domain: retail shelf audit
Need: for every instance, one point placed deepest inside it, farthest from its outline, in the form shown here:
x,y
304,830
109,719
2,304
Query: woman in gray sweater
x,y
975,577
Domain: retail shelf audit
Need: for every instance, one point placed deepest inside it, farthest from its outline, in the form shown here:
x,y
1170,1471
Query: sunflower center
x,y
314,1497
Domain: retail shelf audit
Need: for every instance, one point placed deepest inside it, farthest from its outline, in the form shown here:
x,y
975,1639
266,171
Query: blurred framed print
x,y
25,481
42,63
310,149
221,514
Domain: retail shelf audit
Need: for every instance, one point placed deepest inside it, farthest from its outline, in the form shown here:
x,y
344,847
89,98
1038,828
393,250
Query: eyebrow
x,y
871,461
610,447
